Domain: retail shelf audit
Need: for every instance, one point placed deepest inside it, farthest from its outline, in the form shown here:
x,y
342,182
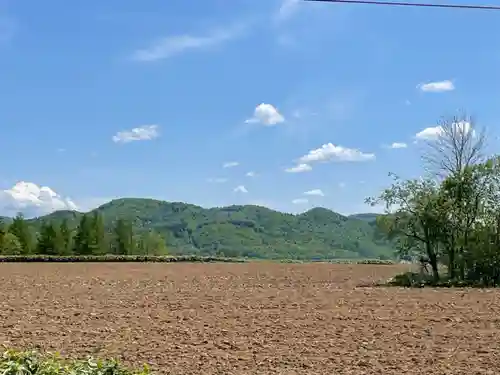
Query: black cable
x,y
399,3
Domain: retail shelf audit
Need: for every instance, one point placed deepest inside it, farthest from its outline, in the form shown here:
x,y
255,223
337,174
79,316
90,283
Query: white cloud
x,y
300,201
330,152
230,164
433,133
142,133
438,86
287,9
175,45
299,168
240,189
430,133
251,174
33,200
316,192
217,180
398,145
266,114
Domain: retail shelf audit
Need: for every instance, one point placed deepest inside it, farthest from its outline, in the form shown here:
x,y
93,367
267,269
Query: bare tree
x,y
459,144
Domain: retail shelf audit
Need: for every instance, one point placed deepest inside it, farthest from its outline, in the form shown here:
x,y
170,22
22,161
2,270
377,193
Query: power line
x,y
398,3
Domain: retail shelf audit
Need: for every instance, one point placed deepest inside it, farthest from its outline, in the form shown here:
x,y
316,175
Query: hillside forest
x,y
449,219
132,226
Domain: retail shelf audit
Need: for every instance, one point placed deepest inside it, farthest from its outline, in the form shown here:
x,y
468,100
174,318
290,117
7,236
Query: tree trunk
x,y
431,254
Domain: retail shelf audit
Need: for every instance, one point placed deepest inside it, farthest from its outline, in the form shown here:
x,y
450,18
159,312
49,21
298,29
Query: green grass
x,y
33,363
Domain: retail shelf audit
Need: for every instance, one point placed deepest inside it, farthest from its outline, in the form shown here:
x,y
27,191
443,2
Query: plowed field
x,y
256,318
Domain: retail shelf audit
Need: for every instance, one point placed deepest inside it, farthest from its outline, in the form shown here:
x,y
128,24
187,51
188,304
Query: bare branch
x,y
459,144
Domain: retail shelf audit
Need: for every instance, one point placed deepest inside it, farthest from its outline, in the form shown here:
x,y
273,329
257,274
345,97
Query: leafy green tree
x,y
98,239
151,243
413,215
4,229
453,220
123,241
66,237
10,245
83,238
49,240
21,230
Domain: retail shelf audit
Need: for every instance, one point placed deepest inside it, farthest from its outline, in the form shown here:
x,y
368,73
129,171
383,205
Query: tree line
x,y
449,219
90,237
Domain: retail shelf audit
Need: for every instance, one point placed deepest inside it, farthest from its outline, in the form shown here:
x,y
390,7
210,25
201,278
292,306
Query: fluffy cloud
x,y
266,114
230,164
33,200
300,201
287,9
142,133
251,174
430,133
398,145
175,45
316,192
330,152
299,168
240,189
434,132
438,86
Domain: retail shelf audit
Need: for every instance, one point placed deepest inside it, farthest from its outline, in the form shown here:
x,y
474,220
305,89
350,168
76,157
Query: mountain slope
x,y
251,231
370,217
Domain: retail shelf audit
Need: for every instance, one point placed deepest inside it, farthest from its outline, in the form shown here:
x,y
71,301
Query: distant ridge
x,y
244,230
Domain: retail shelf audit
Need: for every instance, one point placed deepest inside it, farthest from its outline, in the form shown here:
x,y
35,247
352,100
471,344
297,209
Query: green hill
x,y
249,231
369,217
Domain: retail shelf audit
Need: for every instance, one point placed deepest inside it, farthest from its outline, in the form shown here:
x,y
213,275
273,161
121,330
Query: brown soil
x,y
257,318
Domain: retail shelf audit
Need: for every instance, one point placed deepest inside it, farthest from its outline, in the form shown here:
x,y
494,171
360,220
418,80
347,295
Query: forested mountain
x,y
369,217
248,231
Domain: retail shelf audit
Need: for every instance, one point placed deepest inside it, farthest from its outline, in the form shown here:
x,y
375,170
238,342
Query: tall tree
x,y
458,144
66,237
83,237
151,243
457,155
3,231
413,214
19,227
50,240
123,244
98,238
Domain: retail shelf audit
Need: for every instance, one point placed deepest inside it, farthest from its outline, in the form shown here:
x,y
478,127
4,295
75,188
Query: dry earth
x,y
256,318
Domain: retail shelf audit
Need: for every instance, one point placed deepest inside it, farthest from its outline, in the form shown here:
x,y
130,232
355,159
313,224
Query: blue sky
x,y
308,97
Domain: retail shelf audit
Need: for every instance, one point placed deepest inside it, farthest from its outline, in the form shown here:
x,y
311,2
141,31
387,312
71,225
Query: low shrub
x,y
32,363
376,261
420,280
409,280
362,261
114,258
